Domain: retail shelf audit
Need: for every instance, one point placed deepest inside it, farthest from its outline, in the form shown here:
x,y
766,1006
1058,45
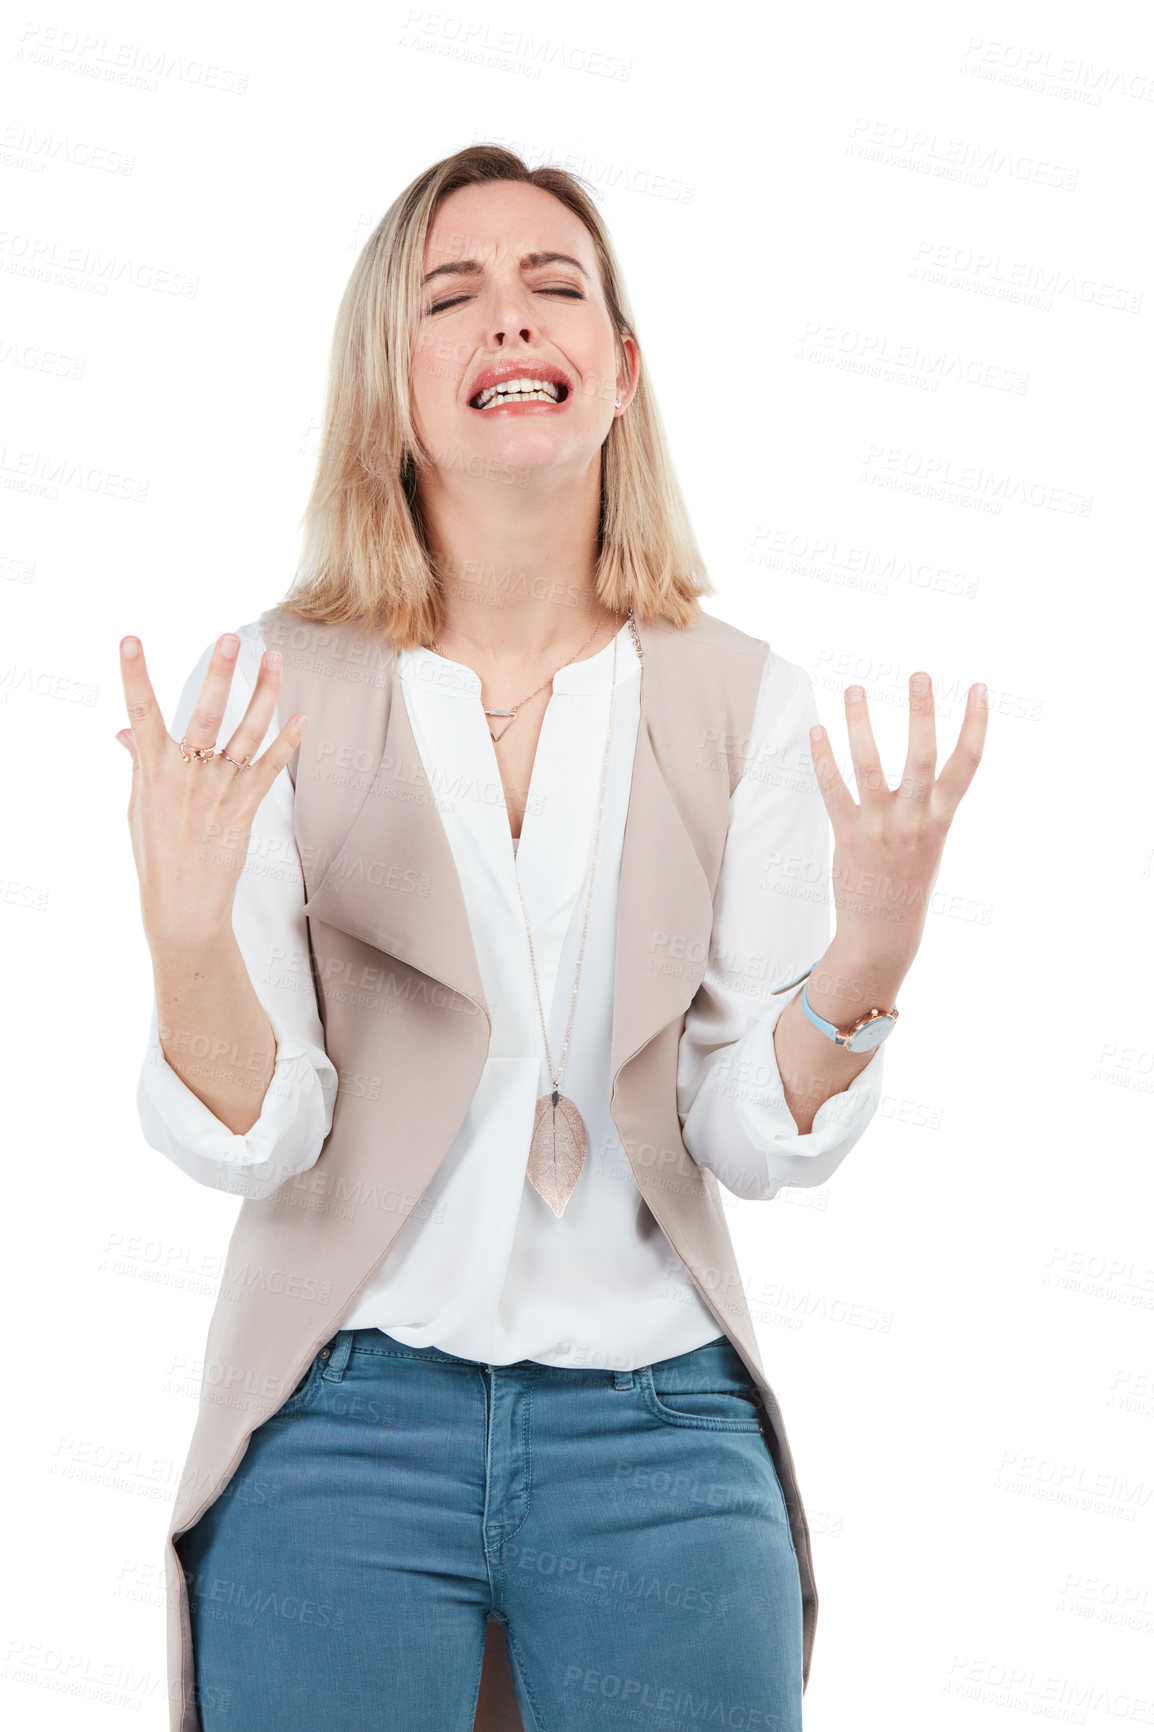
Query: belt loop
x,y
623,1380
338,1351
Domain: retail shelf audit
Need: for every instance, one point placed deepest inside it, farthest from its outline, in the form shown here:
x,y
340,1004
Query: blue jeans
x,y
626,1528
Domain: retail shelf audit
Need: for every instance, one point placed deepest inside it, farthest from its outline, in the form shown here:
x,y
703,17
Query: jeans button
x,y
325,1352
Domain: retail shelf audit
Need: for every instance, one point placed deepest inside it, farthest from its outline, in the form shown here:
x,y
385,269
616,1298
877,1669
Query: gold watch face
x,y
871,1035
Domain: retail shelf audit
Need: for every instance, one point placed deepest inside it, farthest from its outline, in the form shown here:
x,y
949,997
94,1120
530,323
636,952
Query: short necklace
x,y
559,1141
512,711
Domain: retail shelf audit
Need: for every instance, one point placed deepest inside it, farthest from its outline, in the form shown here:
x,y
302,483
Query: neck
x,y
517,573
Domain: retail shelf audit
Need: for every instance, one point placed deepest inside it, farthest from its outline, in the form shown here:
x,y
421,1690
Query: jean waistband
x,y
347,1341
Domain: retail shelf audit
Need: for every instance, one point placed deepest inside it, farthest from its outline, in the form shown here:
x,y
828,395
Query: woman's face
x,y
499,301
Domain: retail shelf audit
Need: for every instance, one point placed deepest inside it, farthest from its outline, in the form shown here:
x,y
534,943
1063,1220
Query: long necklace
x,y
512,711
559,1141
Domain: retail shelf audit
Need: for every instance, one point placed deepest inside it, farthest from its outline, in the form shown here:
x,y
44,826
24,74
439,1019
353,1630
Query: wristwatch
x,y
863,1035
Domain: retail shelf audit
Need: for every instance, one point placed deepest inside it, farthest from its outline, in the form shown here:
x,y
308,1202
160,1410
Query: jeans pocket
x,y
723,1404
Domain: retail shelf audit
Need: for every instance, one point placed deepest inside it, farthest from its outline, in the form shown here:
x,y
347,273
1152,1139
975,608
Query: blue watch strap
x,y
794,981
827,1028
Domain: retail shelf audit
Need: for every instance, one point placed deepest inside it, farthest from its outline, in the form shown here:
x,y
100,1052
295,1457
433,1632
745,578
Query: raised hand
x,y
888,849
190,822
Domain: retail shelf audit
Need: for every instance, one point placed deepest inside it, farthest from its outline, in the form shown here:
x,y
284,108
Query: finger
x,y
958,769
867,765
149,731
917,781
126,740
207,714
839,802
269,765
254,724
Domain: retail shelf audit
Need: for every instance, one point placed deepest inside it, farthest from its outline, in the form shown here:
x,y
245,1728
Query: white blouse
x,y
483,1268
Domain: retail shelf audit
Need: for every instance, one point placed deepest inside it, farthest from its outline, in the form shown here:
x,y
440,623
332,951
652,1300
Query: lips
x,y
502,371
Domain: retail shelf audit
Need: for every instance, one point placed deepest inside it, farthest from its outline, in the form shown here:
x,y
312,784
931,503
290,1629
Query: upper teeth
x,y
515,387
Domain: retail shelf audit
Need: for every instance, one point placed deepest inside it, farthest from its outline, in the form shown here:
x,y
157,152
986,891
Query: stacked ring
x,y
205,754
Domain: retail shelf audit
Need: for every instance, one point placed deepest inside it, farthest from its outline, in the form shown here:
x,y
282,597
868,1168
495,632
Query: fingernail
x,y
921,683
817,732
854,694
229,645
983,694
130,646
273,659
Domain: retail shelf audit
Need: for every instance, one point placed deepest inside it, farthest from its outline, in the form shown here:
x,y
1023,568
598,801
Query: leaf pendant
x,y
556,1151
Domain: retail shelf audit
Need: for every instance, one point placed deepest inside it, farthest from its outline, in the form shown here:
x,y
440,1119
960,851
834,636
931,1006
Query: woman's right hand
x,y
190,822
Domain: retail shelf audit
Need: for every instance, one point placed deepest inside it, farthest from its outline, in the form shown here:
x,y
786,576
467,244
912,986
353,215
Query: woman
x,y
474,988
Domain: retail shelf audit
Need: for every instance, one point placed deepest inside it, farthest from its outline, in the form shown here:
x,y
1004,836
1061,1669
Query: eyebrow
x,y
530,262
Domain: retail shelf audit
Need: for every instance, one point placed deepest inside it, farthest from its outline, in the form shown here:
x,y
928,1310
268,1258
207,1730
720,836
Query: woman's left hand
x,y
887,850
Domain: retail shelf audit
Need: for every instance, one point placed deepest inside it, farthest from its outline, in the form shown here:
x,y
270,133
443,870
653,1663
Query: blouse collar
x,y
438,673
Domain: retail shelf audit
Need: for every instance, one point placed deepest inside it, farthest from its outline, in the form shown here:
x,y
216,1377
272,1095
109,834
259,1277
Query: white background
x,y
845,231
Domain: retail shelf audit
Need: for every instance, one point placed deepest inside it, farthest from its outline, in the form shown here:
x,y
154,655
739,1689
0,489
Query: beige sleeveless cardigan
x,y
401,998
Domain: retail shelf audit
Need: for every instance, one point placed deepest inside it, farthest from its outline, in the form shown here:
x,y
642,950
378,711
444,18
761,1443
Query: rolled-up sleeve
x,y
772,921
271,932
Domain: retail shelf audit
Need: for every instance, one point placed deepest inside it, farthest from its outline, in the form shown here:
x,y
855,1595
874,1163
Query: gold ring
x,y
203,753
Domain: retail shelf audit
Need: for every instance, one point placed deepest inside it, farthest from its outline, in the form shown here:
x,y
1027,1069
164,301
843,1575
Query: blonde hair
x,y
365,555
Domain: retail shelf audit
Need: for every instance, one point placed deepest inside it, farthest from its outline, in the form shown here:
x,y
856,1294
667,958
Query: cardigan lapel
x,y
394,883
664,905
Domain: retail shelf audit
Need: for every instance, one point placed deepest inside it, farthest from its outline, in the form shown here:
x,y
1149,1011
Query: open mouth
x,y
519,391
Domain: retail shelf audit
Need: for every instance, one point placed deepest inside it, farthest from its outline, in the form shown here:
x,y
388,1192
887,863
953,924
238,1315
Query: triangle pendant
x,y
495,737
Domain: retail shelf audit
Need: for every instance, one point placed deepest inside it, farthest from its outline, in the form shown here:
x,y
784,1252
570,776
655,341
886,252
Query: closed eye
x,y
440,306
